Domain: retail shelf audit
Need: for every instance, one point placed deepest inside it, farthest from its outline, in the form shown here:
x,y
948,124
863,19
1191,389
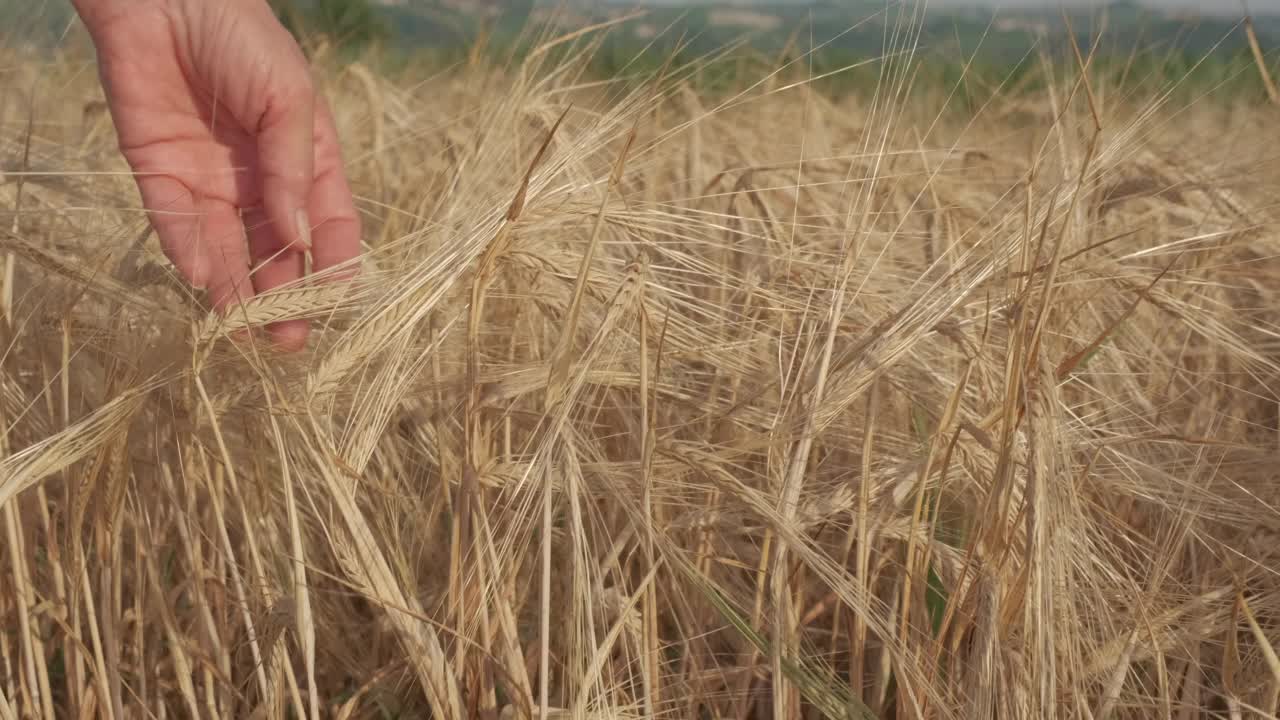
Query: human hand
x,y
217,115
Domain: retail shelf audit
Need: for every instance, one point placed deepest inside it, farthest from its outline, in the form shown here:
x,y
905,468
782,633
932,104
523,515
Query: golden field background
x,y
652,402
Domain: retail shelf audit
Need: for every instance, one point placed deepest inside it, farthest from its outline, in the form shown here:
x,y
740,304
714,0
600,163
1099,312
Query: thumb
x,y
286,157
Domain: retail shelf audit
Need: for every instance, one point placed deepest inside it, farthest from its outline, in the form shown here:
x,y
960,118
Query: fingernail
x,y
303,228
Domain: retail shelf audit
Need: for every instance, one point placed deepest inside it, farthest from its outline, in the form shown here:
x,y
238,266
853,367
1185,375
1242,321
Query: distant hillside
x,y
855,25
845,28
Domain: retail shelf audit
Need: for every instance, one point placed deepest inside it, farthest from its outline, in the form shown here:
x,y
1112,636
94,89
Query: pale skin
x,y
234,152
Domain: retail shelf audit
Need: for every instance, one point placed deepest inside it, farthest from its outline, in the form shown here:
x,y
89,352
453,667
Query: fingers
x,y
275,265
336,239
332,226
173,213
276,262
248,61
336,232
202,237
286,155
226,256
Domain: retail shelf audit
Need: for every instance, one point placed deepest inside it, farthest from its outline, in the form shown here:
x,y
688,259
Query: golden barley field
x,y
654,402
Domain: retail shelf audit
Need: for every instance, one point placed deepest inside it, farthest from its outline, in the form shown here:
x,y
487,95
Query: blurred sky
x,y
1225,7
1216,7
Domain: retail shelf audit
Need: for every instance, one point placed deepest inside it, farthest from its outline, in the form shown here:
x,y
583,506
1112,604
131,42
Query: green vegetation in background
x,y
427,36
1188,58
352,25
842,72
